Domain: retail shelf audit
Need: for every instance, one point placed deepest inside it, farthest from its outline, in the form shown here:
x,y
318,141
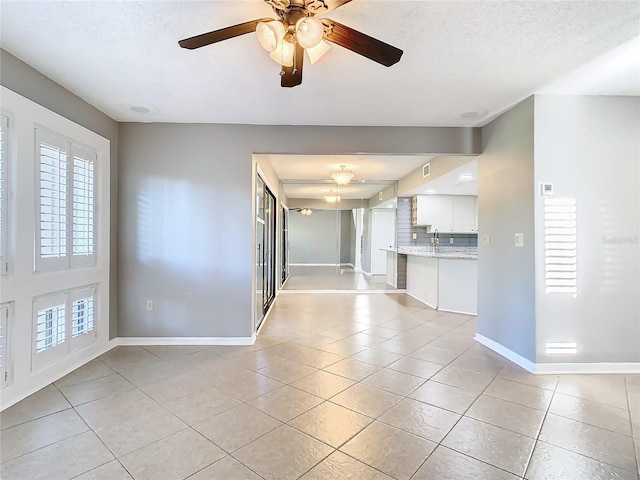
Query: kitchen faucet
x,y
436,240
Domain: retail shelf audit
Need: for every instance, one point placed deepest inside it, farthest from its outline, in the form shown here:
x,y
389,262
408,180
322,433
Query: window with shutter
x,y
66,235
4,345
82,305
83,218
4,193
63,323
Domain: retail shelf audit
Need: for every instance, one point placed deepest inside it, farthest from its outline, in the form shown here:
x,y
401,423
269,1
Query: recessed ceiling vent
x,y
426,170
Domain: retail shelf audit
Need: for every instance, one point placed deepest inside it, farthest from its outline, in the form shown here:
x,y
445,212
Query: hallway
x,y
337,386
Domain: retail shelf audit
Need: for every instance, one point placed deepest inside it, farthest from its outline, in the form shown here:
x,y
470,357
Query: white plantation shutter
x,y
4,344
4,193
66,203
83,325
560,245
63,323
50,329
83,216
51,245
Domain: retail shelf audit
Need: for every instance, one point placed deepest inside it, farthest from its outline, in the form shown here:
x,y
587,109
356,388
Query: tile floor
x,y
305,277
338,386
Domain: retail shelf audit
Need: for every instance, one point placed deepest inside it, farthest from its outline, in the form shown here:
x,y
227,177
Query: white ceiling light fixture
x,y
309,32
343,176
315,53
306,211
270,34
333,197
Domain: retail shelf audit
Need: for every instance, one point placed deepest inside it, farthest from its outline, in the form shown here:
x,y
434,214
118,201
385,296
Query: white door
x,y
383,235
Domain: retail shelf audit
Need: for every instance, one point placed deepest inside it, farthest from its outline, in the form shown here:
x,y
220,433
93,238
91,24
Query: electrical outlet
x,y
450,240
414,236
519,239
149,305
433,240
486,239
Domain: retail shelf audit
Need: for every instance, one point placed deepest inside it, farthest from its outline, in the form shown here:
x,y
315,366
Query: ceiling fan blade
x,y
293,75
222,34
362,44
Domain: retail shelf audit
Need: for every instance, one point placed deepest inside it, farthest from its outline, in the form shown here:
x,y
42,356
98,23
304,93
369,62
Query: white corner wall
x,y
22,284
589,149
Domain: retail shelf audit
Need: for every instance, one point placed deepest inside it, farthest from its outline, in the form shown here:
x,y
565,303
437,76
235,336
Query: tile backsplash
x,y
405,231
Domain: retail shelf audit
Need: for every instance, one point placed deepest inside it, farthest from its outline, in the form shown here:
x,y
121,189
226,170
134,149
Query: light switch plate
x,y
149,305
450,240
486,239
519,239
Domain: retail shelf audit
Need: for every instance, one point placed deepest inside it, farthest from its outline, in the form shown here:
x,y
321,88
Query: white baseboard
x,y
506,353
559,368
421,301
315,264
458,311
588,368
287,292
133,341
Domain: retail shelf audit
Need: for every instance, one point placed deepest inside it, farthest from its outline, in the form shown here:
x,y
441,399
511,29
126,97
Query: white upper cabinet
x,y
464,214
447,213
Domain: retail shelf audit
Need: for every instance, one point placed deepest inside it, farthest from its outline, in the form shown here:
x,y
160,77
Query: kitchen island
x,y
445,279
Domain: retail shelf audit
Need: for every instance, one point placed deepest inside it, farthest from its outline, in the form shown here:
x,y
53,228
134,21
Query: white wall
x,y
22,284
383,235
589,148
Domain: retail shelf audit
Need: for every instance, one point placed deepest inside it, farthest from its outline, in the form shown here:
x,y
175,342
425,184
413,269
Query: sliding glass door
x,y
265,249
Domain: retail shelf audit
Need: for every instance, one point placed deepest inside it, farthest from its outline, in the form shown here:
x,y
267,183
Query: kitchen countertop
x,y
463,253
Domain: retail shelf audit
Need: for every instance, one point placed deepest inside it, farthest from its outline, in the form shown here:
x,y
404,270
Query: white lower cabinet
x,y
422,279
447,284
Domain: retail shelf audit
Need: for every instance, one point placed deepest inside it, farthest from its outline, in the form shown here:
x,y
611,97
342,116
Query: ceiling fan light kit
x,y
297,30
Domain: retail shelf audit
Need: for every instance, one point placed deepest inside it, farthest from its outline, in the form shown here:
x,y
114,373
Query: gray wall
x,y
347,228
28,82
506,287
314,238
589,148
172,176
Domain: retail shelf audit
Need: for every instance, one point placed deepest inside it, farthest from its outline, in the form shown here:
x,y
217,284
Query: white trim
x,y
140,341
458,311
506,353
344,291
317,264
559,368
435,307
590,368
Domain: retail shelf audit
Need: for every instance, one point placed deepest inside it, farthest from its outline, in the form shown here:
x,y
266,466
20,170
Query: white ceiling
x,y
459,56
309,176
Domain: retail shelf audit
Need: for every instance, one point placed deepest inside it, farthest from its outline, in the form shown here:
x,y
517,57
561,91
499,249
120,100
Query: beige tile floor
x,y
338,386
307,277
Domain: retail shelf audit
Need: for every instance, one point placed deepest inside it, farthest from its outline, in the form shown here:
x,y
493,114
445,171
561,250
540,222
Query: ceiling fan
x,y
296,31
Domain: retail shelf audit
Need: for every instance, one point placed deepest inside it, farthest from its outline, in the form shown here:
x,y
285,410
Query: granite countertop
x,y
466,253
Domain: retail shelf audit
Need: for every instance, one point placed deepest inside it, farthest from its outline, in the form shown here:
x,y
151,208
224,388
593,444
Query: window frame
x,y
6,313
66,259
5,152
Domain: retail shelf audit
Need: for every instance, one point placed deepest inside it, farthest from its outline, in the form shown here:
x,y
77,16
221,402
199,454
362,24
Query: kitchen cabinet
x,y
447,213
465,214
434,210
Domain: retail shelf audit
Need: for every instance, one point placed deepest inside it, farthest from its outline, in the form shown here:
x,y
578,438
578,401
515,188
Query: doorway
x,y
284,246
266,249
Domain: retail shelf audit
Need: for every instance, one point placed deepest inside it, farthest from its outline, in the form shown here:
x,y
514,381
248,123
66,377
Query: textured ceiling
x,y
460,56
